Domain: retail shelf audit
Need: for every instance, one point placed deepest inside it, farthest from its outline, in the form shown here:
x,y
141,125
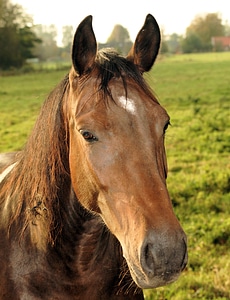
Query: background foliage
x,y
200,32
17,38
21,39
195,90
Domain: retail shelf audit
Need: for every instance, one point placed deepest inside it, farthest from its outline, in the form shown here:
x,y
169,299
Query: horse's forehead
x,y
134,100
120,102
128,104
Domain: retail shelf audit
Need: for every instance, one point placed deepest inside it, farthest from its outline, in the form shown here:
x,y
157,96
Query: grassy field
x,y
195,90
20,101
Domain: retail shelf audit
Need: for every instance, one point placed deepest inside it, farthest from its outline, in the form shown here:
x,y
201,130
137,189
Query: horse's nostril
x,y
149,258
164,259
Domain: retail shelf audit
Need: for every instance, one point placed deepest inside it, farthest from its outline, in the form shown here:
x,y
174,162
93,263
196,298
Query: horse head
x,y
117,156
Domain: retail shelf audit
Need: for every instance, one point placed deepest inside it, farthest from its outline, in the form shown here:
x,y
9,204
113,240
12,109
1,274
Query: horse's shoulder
x,y
7,159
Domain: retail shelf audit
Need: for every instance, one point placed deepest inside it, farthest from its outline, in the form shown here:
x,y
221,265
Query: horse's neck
x,y
85,232
89,252
84,260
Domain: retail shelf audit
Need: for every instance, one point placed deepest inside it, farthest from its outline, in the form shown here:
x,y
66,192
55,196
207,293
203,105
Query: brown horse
x,y
6,159
85,211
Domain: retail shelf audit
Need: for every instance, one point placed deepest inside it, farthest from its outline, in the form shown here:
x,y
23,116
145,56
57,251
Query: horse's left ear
x,y
146,46
84,47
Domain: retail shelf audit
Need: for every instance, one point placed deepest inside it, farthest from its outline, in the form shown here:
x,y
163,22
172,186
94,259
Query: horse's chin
x,y
149,281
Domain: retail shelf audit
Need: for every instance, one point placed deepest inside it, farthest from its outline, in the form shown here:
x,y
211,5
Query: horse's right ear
x,y
146,46
84,47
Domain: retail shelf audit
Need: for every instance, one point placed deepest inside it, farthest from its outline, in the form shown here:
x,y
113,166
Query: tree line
x,y
21,40
198,36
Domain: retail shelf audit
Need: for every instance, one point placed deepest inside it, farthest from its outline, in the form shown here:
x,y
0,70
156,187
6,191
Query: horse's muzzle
x,y
161,261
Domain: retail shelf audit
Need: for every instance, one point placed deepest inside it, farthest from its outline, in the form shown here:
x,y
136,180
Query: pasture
x,y
195,90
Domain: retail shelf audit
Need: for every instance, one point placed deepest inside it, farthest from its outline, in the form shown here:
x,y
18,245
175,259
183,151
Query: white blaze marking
x,y
127,104
6,171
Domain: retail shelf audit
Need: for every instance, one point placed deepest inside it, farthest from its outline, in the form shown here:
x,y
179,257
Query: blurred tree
x,y
201,30
164,45
48,48
120,39
192,43
227,29
16,36
174,43
67,37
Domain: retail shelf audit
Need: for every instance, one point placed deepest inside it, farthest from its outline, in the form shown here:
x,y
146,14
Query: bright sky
x,y
173,16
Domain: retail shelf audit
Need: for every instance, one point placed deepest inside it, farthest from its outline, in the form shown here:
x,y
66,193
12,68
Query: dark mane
x,y
112,65
42,169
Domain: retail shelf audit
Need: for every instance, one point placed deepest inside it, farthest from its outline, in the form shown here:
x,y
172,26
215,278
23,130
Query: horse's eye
x,y
166,126
88,136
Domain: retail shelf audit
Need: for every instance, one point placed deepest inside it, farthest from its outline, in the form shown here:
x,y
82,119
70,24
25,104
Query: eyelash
x,y
88,136
166,126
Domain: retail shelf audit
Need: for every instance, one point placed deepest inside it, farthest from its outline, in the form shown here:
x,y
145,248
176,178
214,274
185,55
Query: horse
x,y
7,158
84,210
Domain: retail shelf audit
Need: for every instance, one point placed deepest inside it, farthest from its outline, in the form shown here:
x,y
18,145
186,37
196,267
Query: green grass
x,y
195,90
20,100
